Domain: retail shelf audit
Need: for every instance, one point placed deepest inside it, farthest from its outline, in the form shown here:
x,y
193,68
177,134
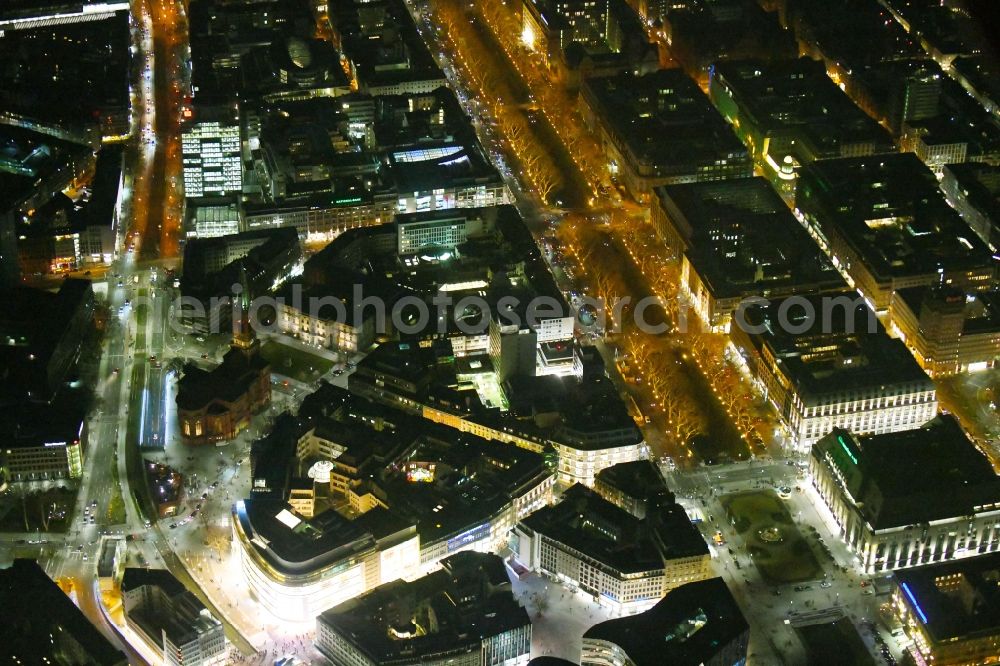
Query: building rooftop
x,y
429,475
639,479
409,120
742,239
915,476
34,424
309,150
688,627
797,96
293,545
844,348
956,600
107,559
381,41
27,157
665,120
181,618
889,210
34,325
586,407
589,524
981,140
289,65
227,382
703,32
95,206
451,483
135,577
981,309
981,185
446,612
42,624
852,33
67,74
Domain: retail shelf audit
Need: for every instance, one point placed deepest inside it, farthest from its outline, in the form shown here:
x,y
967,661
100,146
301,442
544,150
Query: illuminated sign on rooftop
x,y
847,450
913,602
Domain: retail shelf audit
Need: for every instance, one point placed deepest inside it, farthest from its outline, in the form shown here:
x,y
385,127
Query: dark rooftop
x,y
466,601
228,381
590,524
798,96
35,327
743,240
298,546
966,608
67,74
844,347
666,121
981,309
182,617
134,577
381,40
639,479
890,211
588,408
915,476
852,32
42,624
688,627
981,185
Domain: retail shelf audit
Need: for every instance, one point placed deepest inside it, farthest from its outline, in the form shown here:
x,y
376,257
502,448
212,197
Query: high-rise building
x,y
211,155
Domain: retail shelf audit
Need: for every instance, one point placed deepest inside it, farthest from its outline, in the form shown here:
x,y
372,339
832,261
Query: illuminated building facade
x,y
699,622
321,218
416,233
948,331
973,189
171,619
421,492
297,568
951,611
51,460
578,464
736,240
626,563
826,362
906,499
463,615
210,151
58,13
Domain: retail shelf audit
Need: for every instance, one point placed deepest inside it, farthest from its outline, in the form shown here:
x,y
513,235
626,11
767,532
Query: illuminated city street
x,y
431,331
